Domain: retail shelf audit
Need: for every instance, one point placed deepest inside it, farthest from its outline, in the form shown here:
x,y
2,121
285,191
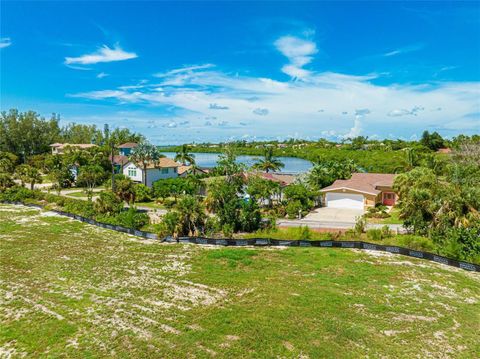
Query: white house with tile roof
x,y
163,169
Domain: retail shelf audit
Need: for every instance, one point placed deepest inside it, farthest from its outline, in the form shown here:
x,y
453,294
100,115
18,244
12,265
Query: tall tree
x,y
79,133
26,133
145,154
227,164
269,162
184,156
89,177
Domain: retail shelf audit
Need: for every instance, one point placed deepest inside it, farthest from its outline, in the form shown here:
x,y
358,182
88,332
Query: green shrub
x,y
386,232
79,207
293,208
360,225
374,234
16,194
460,243
142,193
169,224
169,203
108,203
212,226
227,230
129,218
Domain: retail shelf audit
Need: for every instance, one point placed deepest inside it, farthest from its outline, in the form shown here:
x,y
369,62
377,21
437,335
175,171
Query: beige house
x,y
361,191
59,148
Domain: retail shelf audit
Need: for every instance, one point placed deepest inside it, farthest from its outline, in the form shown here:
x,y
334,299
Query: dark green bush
x,y
129,218
79,207
142,193
16,194
293,208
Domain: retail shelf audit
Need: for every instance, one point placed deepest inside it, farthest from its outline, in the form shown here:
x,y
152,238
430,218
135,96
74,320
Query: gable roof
x,y
119,159
128,145
363,183
163,162
281,178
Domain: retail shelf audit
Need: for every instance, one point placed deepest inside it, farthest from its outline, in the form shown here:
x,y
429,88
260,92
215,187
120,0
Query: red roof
x,y
128,145
119,159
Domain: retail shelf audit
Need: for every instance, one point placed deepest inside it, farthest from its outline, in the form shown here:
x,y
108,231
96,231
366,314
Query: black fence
x,y
263,242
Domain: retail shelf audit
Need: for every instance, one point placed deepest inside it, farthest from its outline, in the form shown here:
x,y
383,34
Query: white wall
x,y
139,174
153,174
156,174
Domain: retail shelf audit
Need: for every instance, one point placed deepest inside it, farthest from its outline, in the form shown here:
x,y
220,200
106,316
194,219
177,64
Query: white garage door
x,y
344,200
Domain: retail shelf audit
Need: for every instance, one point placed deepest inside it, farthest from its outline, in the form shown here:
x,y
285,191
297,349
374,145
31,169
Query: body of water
x,y
292,164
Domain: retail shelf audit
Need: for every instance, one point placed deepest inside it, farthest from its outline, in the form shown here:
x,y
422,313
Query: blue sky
x,y
214,71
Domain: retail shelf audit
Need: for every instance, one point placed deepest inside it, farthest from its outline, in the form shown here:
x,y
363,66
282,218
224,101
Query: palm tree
x,y
144,154
28,174
268,162
184,156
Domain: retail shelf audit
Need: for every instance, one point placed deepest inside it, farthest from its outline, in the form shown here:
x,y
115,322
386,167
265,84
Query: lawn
x,y
393,219
80,194
152,205
74,290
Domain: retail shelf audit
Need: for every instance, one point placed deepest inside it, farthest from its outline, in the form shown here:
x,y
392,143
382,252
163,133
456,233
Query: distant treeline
x,y
27,133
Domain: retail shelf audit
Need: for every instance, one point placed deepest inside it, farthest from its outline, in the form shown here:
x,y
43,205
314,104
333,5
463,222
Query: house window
x,y
164,170
175,170
132,172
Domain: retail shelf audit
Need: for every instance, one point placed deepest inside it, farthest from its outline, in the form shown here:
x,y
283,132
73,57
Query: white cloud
x,y
299,52
5,42
101,75
402,112
294,105
404,50
184,69
104,54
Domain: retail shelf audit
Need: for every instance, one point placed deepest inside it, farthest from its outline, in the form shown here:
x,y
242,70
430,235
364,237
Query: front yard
x,y
74,290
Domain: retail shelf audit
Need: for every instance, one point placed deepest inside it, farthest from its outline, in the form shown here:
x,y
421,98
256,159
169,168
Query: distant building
x,y
165,168
119,161
59,148
126,148
184,171
445,150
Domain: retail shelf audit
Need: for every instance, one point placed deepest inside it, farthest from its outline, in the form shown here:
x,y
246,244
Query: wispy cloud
x,y
184,69
299,52
104,54
350,104
404,50
101,75
5,42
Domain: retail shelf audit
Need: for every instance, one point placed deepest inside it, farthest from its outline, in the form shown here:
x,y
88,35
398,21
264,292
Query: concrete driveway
x,y
333,215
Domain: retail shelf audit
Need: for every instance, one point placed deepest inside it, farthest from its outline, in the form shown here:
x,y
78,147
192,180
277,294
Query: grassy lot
x,y
74,290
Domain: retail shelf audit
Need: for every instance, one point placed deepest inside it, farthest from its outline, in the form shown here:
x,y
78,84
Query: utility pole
x,y
111,144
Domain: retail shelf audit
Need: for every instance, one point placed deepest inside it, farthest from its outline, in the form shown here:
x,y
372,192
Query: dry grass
x,y
72,290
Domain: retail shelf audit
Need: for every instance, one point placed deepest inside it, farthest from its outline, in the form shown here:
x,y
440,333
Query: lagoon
x,y
293,165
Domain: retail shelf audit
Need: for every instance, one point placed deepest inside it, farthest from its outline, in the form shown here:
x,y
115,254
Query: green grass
x,y
80,194
73,290
393,219
152,205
